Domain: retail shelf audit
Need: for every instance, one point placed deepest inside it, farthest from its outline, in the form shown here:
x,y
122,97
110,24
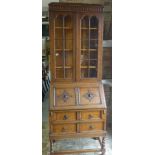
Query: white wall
x,y
46,2
84,1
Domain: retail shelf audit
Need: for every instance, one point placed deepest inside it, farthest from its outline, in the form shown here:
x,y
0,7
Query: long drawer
x,y
77,127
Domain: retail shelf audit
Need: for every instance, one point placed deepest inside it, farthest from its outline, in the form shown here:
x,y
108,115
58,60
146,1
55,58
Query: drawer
x,y
91,115
64,116
91,126
61,128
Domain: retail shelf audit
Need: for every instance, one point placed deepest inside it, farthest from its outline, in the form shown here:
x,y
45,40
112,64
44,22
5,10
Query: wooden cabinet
x,y
76,43
77,100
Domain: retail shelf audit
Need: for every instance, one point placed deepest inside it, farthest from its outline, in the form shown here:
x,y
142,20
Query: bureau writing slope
x,y
77,101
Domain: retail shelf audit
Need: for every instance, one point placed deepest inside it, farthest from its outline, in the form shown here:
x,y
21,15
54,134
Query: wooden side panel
x,y
100,48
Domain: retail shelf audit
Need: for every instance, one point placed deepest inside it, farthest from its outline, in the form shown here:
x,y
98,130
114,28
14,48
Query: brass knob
x,y
90,116
91,127
65,117
63,129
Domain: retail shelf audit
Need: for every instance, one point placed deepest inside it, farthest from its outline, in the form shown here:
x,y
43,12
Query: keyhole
x,y
65,96
89,95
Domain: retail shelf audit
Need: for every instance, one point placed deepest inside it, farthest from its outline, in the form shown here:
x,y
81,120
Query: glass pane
x,y
84,63
59,58
89,47
68,44
84,44
68,73
60,73
93,22
68,21
85,22
69,56
93,44
64,46
93,54
58,33
84,73
84,54
94,34
68,34
93,63
84,34
58,44
93,73
59,21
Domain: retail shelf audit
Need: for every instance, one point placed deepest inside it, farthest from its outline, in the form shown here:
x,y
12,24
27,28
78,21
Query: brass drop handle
x,y
91,127
65,117
90,116
63,129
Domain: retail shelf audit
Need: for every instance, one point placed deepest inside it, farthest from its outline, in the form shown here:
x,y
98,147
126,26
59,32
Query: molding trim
x,y
76,7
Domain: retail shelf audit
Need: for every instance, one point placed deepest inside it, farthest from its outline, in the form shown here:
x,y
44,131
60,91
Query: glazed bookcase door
x,y
90,51
63,47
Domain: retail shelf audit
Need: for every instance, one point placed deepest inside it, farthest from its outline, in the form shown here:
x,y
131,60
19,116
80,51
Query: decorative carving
x,y
63,129
90,116
89,95
65,117
65,96
75,7
91,127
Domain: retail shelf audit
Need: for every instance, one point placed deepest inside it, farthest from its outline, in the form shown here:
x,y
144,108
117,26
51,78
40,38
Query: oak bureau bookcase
x,y
77,101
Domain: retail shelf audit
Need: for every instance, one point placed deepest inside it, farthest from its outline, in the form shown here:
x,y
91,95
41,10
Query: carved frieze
x,y
75,7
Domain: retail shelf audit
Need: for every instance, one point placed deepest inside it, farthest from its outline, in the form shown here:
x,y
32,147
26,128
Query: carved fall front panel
x,y
89,96
65,97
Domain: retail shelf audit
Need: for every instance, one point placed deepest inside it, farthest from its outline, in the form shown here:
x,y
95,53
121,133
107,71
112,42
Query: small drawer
x,y
61,128
64,116
91,127
91,115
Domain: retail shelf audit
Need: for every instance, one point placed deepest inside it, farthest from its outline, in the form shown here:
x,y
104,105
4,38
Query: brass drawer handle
x,y
63,129
91,127
90,116
65,117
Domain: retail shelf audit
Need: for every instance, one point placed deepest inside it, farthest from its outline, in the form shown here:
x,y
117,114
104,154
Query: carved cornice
x,y
76,7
